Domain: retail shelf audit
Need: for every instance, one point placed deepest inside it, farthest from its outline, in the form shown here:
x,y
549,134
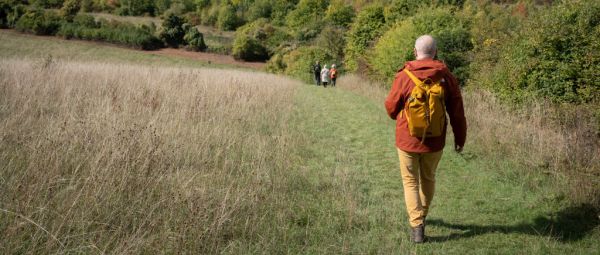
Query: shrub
x,y
340,14
249,49
306,20
39,22
299,61
395,47
399,10
558,64
172,32
332,39
5,10
136,7
70,9
227,19
139,37
85,20
366,27
268,36
260,9
54,4
195,40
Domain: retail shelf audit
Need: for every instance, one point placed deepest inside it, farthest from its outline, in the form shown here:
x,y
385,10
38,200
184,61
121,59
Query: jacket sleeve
x,y
456,112
395,100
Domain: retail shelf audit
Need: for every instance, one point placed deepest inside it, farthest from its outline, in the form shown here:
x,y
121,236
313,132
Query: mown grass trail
x,y
479,208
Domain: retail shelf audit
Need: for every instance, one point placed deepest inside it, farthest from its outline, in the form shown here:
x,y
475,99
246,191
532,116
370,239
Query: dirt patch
x,y
209,58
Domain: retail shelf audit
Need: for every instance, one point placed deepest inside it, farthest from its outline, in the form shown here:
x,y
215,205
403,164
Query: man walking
x,y
316,70
422,92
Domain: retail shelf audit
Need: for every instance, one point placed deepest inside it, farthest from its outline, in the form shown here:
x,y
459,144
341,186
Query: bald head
x,y
425,47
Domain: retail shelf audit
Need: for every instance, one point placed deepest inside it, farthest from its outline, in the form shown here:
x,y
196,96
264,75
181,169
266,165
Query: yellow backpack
x,y
425,110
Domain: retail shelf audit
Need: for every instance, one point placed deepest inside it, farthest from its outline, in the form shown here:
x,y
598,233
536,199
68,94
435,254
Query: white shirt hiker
x,y
325,75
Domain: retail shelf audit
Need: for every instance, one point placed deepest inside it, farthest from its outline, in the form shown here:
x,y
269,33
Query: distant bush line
x,y
70,25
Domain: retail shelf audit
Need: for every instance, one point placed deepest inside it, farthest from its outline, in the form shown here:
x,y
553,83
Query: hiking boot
x,y
417,234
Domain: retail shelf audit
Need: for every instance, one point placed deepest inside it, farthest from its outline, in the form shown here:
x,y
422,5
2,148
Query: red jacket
x,y
399,93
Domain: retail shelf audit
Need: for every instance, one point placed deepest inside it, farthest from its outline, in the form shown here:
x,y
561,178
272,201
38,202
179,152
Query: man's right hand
x,y
458,148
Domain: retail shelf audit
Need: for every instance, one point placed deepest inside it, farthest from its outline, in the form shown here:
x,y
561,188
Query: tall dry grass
x,y
98,158
540,139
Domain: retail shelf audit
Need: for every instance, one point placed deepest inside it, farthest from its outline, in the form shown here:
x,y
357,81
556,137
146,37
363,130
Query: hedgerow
x,y
85,28
555,55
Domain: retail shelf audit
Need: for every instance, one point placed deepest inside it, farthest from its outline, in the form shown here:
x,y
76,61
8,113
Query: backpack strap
x,y
412,77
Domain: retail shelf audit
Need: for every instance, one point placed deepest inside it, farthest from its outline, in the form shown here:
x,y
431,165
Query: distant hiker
x,y
325,76
316,70
333,74
423,90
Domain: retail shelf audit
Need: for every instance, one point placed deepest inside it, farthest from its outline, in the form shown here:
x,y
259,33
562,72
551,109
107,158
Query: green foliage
x,y
333,41
366,27
227,19
172,32
556,56
69,9
299,61
14,13
399,10
85,20
249,49
395,47
269,36
260,9
39,22
84,27
136,7
5,9
54,4
340,14
306,21
195,40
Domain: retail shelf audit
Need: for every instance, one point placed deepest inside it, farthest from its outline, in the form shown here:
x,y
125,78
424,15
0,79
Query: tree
x,y
172,31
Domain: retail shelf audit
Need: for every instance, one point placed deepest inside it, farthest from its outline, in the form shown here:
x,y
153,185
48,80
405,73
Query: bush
x,y
227,19
399,10
70,9
396,46
39,22
249,49
172,32
332,39
269,36
366,27
340,14
53,4
113,32
136,7
559,64
195,40
306,20
299,61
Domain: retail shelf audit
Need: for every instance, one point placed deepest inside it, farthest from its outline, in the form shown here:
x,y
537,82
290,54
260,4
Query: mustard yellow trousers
x,y
418,179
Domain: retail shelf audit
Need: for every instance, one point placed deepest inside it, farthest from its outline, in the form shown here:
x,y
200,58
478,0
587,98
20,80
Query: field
x,y
108,150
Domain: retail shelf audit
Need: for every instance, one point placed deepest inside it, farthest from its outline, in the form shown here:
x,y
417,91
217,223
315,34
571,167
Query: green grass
x,y
16,45
481,206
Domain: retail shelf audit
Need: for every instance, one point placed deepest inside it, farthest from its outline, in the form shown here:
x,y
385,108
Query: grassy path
x,y
479,207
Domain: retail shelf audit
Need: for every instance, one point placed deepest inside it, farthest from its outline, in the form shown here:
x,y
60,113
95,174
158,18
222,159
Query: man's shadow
x,y
570,224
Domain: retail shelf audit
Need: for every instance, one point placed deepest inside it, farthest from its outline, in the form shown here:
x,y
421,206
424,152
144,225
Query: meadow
x,y
107,150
